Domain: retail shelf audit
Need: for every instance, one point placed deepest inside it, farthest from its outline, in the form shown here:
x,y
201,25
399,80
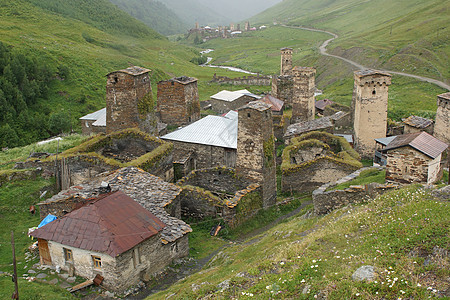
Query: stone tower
x,y
129,101
247,26
283,88
256,149
303,103
442,125
178,102
286,61
238,27
369,103
231,26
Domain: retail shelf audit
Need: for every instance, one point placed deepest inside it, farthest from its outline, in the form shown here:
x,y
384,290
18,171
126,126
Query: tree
x,y
59,122
8,136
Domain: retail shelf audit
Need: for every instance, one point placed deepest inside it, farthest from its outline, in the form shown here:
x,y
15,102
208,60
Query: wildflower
x,y
419,285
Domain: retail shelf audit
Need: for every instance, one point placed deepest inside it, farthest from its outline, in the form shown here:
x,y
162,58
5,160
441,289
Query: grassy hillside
x,y
404,35
403,234
154,14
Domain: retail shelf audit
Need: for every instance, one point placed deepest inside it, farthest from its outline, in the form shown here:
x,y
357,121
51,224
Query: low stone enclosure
x,y
219,193
102,153
316,158
326,200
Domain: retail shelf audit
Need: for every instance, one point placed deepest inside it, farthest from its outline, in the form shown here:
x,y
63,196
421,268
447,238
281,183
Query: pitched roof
x,y
134,71
211,130
418,122
276,104
386,140
304,127
421,141
112,224
95,115
231,96
321,104
148,190
370,72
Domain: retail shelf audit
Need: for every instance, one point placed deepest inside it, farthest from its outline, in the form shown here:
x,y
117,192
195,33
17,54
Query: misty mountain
x,y
191,11
155,14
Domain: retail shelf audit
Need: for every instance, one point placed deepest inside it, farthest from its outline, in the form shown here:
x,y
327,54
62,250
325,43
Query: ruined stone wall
x,y
406,165
205,156
245,80
283,89
256,148
303,103
370,112
314,174
178,104
442,124
129,103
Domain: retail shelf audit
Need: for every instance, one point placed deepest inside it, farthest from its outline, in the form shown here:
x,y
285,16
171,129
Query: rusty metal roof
x,y
276,104
112,224
421,141
418,122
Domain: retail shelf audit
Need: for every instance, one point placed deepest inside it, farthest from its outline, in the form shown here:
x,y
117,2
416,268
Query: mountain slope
x,y
193,11
154,14
407,35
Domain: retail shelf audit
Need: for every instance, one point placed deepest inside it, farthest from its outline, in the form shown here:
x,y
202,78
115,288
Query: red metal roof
x,y
275,103
112,224
421,141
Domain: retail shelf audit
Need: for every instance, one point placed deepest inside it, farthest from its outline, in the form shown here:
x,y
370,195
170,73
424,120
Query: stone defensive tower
x,y
303,103
256,148
129,101
197,26
178,102
283,88
369,103
286,61
231,26
247,26
442,125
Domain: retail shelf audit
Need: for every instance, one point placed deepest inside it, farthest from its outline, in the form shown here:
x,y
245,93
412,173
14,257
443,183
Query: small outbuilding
x,y
94,123
414,158
417,124
225,101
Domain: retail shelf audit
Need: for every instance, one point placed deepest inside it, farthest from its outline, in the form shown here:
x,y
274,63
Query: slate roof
x,y
304,127
421,141
321,104
370,72
95,115
231,96
276,104
113,224
148,190
445,96
134,70
219,131
182,80
417,122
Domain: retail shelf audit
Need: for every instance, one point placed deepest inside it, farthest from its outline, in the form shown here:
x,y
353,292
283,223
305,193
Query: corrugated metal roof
x,y
421,141
386,140
212,130
101,121
276,104
113,223
95,115
230,96
418,122
347,137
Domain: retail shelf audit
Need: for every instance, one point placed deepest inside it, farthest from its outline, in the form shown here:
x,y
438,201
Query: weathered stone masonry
x,y
303,103
442,125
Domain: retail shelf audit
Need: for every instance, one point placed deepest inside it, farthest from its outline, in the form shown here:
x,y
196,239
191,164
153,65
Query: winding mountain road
x,y
323,51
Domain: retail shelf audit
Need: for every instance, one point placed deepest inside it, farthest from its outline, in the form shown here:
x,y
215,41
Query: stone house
x,y
224,101
94,123
321,105
113,236
414,124
209,142
380,158
178,102
442,125
314,159
414,158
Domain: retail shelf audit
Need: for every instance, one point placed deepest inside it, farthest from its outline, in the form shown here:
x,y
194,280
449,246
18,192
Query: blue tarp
x,y
49,218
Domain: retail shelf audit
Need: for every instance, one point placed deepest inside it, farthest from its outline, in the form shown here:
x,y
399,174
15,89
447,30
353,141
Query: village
x,y
125,196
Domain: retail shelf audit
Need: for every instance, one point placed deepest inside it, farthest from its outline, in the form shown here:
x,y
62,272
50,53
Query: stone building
x,y
178,102
414,158
209,142
94,123
286,61
283,88
303,103
414,124
129,101
100,238
224,101
247,26
320,106
380,158
256,149
442,125
369,104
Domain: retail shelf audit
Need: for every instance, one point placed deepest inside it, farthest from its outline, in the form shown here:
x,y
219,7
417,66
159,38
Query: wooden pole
x,y
16,293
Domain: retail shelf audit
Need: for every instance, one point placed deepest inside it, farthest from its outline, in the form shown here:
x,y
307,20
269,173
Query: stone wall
x,y
407,165
88,129
245,80
326,201
178,101
283,89
442,124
